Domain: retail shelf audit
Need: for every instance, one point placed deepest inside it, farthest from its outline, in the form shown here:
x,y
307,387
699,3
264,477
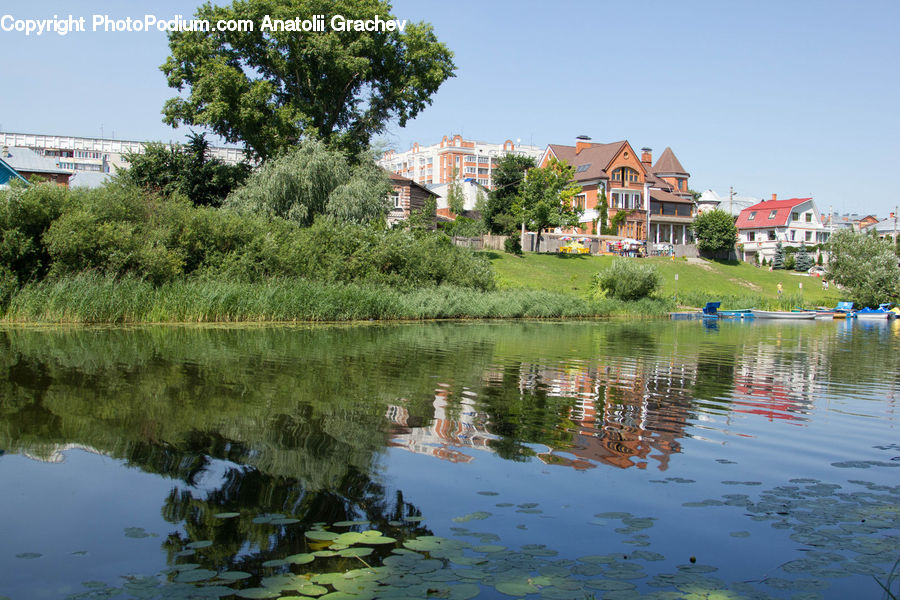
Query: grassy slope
x,y
698,281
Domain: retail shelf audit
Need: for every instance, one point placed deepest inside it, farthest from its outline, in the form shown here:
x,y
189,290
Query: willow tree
x,y
268,89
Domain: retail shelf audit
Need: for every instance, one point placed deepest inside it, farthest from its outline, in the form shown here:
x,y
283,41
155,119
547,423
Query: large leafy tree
x,y
498,213
269,89
865,265
715,232
187,169
546,197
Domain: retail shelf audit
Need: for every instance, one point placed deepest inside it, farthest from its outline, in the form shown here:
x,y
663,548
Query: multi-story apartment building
x,y
658,204
453,158
94,154
791,222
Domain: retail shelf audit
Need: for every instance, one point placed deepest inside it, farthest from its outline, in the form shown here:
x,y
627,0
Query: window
x,y
579,202
773,213
795,216
751,237
809,236
809,217
792,235
395,199
471,170
772,235
625,174
583,168
615,200
751,216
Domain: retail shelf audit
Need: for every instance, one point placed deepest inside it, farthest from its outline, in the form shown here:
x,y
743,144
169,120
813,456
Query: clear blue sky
x,y
798,98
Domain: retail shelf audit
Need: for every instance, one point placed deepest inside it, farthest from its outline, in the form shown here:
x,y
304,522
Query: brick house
x,y
628,180
406,197
29,163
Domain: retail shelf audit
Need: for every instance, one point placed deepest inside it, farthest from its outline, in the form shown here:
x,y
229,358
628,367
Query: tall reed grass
x,y
736,302
94,298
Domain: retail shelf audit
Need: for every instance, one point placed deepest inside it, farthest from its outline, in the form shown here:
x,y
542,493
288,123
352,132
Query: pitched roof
x,y
88,179
762,210
7,173
592,159
398,179
667,163
664,196
25,160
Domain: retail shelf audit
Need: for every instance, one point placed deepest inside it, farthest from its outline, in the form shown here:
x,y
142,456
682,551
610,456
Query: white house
x,y
792,222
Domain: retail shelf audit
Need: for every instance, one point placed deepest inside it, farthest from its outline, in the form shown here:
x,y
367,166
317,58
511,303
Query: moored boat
x,y
872,314
781,314
742,313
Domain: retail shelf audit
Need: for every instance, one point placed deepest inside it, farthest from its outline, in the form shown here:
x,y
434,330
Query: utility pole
x,y
895,228
731,200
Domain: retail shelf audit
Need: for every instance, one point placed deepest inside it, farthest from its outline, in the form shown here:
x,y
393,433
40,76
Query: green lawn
x,y
699,281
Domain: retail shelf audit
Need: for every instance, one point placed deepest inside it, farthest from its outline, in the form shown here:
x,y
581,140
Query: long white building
x,y
94,154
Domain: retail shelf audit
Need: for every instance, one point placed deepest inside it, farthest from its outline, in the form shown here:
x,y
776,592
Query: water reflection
x,y
299,422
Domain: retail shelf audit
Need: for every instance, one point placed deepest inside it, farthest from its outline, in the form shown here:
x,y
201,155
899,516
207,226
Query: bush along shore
x,y
128,253
89,298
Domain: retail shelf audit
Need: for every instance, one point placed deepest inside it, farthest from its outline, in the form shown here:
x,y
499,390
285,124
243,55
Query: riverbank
x,y
91,298
735,284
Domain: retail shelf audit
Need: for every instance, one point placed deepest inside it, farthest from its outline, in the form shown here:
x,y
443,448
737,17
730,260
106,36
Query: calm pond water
x,y
452,460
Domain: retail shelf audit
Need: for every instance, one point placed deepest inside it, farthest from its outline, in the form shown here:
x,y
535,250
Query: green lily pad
x,y
377,540
355,552
226,515
284,521
351,523
475,516
276,562
198,545
195,575
299,559
137,532
318,535
234,575
516,588
257,593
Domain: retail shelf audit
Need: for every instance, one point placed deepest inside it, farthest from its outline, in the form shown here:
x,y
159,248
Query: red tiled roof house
x,y
791,222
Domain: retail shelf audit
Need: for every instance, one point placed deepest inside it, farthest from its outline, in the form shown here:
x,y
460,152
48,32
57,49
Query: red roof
x,y
762,211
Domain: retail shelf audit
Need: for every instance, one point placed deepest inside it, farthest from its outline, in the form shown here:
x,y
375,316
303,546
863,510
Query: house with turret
x,y
654,198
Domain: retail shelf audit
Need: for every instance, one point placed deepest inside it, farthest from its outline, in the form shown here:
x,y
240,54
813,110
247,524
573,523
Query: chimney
x,y
5,152
647,157
774,197
582,142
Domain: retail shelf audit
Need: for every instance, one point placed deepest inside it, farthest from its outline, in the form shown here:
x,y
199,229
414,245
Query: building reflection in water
x,y
631,412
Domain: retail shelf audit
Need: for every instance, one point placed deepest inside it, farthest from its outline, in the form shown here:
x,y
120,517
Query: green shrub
x,y
513,245
627,279
25,215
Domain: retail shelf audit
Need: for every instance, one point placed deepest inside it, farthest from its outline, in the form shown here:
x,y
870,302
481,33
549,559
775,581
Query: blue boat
x,y
873,314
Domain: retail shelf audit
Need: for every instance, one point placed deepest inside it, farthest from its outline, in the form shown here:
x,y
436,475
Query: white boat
x,y
781,314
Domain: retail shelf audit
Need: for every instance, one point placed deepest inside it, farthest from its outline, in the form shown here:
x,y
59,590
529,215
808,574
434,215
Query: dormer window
x,y
752,216
773,213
